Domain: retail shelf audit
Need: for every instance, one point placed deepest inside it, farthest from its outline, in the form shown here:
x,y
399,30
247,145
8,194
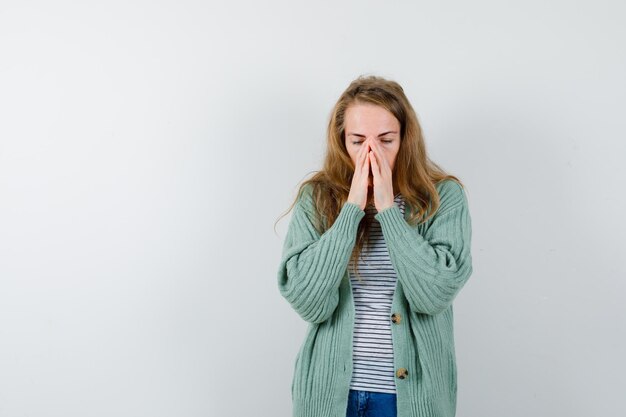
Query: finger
x,y
379,157
360,176
368,148
358,168
375,166
360,160
365,147
364,162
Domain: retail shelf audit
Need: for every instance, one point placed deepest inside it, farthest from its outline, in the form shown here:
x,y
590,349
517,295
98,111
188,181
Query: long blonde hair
x,y
414,174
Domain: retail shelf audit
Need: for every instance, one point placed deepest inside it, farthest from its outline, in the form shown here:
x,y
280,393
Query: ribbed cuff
x,y
392,220
349,218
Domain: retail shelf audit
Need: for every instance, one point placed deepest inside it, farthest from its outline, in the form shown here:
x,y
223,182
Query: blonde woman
x,y
377,248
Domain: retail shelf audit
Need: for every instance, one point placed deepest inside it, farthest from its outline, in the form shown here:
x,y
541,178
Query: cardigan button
x,y
402,373
395,317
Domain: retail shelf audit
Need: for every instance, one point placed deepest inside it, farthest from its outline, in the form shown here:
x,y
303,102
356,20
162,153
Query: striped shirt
x,y
373,367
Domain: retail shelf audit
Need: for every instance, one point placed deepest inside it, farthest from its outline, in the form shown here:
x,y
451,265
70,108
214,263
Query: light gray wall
x,y
146,149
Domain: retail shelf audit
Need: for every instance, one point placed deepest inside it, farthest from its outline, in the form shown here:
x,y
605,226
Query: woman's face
x,y
369,122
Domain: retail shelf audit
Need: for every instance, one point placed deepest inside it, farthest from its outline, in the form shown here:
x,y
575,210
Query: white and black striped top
x,y
372,357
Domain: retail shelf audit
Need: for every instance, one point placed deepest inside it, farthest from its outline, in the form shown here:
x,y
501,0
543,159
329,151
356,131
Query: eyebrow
x,y
362,136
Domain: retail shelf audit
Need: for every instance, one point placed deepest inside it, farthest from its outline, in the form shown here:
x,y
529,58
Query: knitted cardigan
x,y
432,261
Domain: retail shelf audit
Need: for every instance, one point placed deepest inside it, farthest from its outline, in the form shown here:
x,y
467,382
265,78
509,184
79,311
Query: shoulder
x,y
305,203
451,195
305,197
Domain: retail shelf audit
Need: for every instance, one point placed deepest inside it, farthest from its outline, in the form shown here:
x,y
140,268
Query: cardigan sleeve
x,y
432,267
312,266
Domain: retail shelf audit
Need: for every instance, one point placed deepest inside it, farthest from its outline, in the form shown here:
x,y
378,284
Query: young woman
x,y
377,248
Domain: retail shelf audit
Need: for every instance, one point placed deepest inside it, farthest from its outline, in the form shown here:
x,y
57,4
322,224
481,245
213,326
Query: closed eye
x,y
384,141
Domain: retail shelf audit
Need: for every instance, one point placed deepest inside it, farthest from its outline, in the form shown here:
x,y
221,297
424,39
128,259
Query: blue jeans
x,y
371,404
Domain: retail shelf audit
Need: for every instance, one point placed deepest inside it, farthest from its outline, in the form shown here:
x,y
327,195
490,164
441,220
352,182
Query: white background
x,y
147,148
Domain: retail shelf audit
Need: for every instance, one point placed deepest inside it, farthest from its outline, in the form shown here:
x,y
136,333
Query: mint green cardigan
x,y
432,261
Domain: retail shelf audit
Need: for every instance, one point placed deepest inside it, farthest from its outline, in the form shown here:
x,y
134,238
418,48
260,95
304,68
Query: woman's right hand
x,y
359,187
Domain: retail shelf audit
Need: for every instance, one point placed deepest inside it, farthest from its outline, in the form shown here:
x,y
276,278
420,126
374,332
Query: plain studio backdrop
x,y
147,148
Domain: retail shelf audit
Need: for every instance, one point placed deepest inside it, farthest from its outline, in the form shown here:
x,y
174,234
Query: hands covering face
x,y
382,181
371,159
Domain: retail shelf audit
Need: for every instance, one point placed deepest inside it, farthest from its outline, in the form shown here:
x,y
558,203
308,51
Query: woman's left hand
x,y
382,182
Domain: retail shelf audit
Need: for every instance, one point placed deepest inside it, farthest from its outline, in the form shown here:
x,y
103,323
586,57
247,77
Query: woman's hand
x,y
383,183
359,186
